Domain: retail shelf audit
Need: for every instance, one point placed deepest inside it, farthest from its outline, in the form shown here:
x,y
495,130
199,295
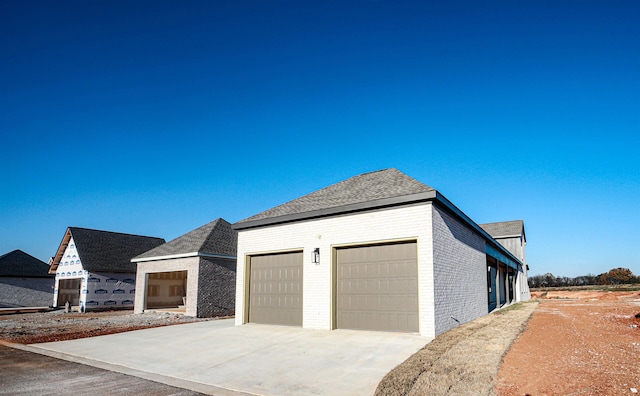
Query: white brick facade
x,y
403,223
373,208
189,264
210,284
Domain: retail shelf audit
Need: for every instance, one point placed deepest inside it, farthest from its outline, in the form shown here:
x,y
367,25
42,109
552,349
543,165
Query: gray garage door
x,y
377,287
275,294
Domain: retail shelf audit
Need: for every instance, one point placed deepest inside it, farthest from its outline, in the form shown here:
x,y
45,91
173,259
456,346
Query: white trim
x,y
181,255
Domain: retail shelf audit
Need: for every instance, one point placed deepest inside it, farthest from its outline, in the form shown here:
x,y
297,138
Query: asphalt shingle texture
x,y
20,264
216,237
504,228
106,251
387,183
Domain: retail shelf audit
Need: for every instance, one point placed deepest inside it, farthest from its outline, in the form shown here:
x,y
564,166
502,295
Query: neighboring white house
x,y
93,268
24,281
378,251
194,273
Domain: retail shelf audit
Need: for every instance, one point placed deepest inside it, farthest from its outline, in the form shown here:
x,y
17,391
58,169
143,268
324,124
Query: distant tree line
x,y
616,276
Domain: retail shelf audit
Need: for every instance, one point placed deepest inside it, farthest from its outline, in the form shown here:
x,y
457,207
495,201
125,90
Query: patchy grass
x,y
512,307
462,361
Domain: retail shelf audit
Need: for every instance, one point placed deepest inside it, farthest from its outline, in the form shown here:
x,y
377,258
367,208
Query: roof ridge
x,y
113,232
217,224
214,224
375,186
208,238
375,171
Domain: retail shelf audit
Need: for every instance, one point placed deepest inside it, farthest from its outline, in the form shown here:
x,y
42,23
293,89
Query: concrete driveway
x,y
216,357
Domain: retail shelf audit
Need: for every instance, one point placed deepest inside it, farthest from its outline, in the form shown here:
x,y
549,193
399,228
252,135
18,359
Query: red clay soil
x,y
35,327
577,343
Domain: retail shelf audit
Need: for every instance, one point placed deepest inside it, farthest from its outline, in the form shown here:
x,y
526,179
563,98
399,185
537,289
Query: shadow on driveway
x,y
27,373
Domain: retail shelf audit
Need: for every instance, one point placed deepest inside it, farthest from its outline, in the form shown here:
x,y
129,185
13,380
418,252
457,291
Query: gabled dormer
x,y
511,235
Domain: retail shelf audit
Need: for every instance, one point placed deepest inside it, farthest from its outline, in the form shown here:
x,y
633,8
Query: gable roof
x,y
505,229
105,251
365,191
213,239
20,264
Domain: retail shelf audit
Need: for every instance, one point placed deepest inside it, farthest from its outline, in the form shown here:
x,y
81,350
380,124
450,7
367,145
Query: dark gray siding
x,y
26,292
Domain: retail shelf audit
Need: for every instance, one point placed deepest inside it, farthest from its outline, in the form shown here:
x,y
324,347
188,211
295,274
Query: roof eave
x,y
180,255
507,236
461,215
61,248
357,207
432,195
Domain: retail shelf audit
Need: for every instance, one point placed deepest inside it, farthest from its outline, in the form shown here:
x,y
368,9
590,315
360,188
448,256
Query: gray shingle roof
x,y
372,186
374,190
504,228
106,251
20,264
216,237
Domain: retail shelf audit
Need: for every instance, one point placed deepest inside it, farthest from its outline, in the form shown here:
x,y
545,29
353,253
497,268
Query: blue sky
x,y
155,117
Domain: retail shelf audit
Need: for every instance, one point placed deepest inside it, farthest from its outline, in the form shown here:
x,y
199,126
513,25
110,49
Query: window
x,y
176,291
153,291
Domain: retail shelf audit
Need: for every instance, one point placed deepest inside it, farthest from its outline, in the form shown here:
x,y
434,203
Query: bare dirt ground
x,y
30,328
577,343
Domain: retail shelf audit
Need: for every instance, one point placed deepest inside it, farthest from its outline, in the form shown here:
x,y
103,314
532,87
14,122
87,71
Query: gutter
x,y
494,245
351,208
433,195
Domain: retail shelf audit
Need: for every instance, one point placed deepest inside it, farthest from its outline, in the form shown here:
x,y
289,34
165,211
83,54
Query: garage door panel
x,y
378,287
275,293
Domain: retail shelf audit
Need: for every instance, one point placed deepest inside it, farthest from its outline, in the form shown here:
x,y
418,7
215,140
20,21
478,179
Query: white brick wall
x,y
190,264
460,277
409,222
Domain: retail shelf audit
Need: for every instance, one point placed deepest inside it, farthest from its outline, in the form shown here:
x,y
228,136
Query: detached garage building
x,y
194,274
379,251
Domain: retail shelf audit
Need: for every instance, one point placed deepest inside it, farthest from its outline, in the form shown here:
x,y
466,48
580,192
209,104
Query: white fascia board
x,y
167,257
181,255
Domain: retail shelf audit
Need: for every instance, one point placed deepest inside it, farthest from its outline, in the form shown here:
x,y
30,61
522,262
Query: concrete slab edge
x,y
163,379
